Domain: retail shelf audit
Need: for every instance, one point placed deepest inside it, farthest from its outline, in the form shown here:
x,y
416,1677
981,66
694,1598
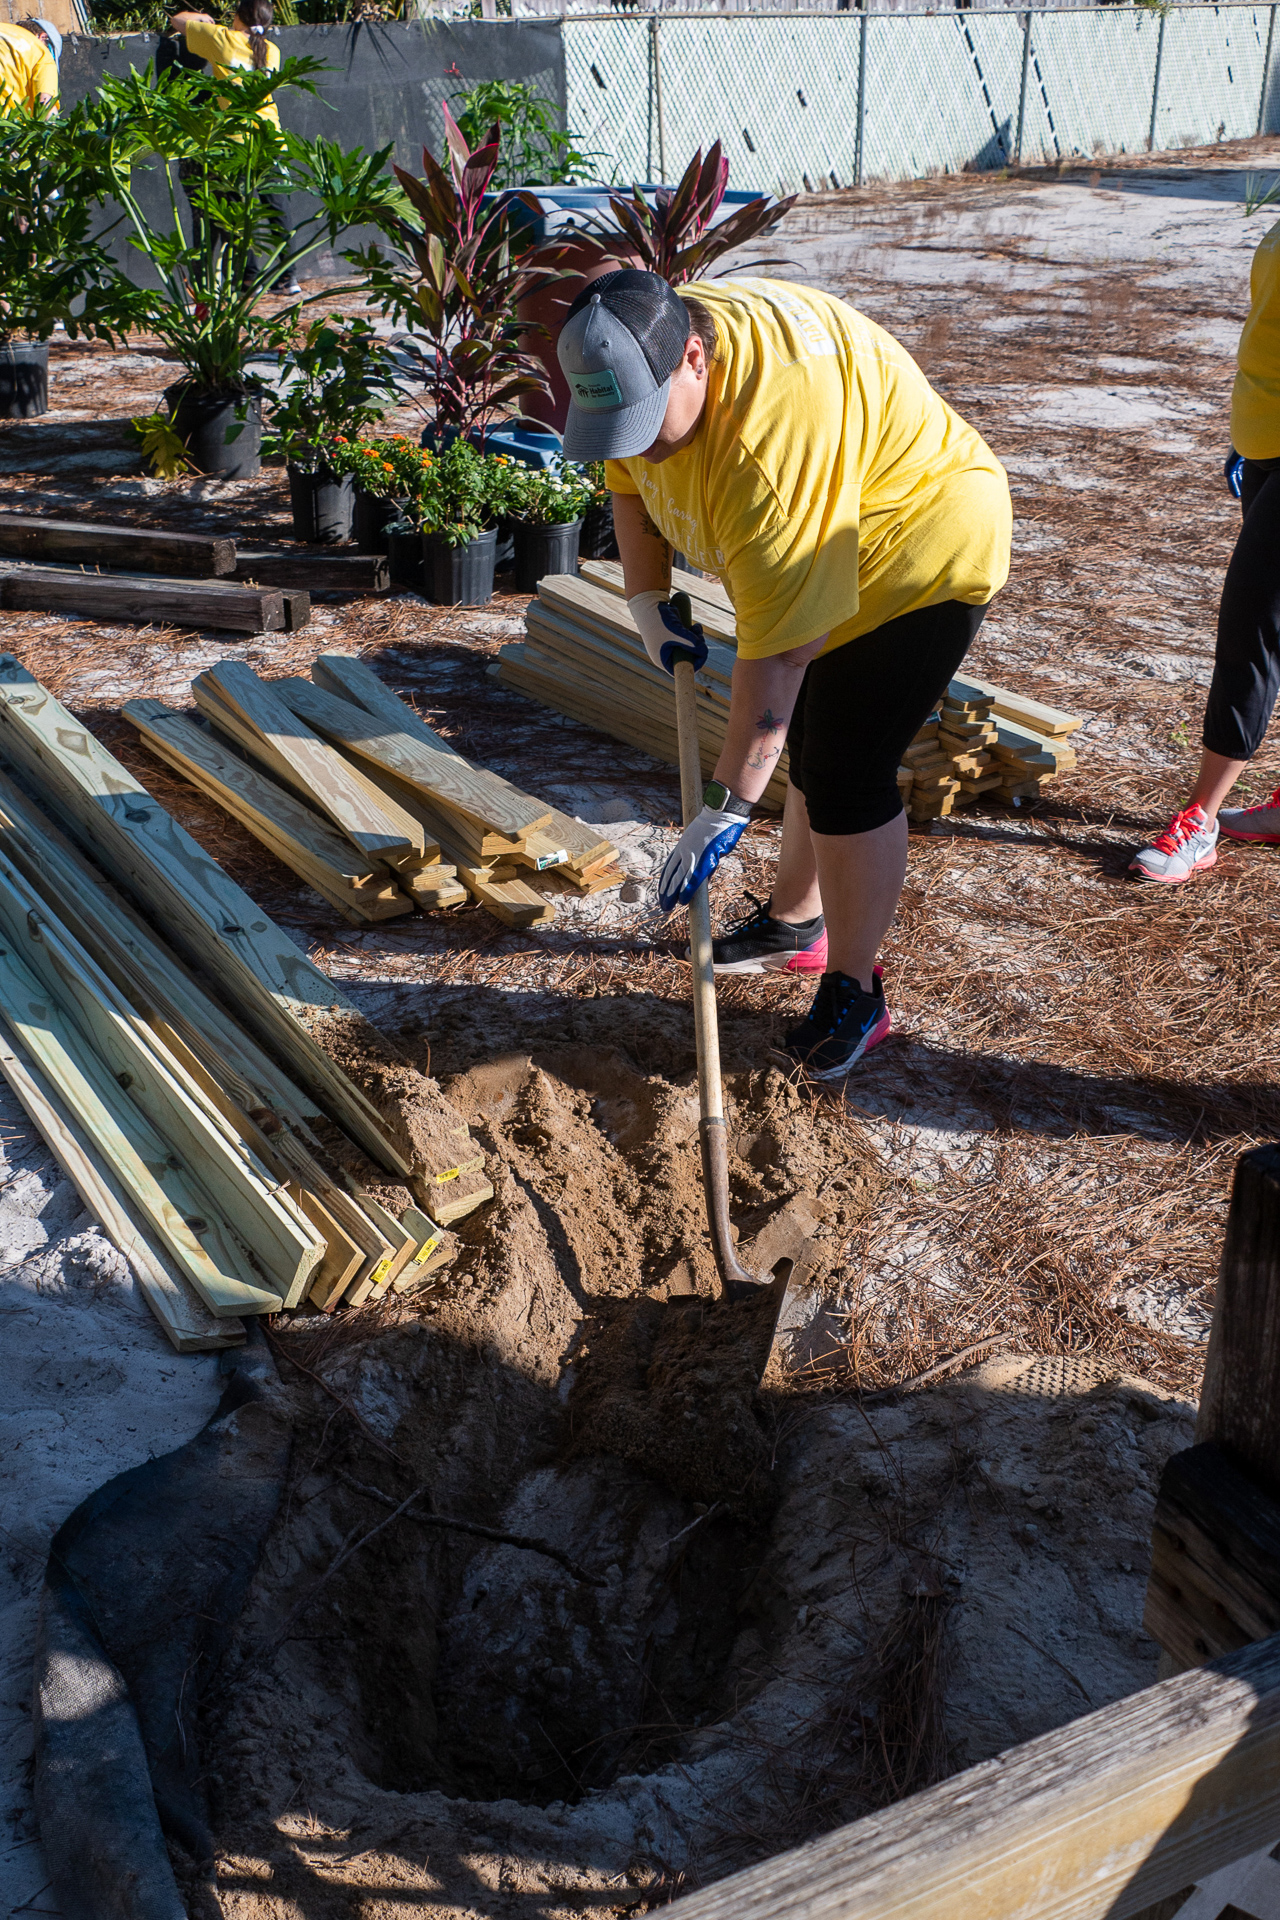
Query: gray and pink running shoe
x,y
1261,823
1188,844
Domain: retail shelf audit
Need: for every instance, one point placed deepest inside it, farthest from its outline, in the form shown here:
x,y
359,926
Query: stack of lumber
x,y
176,579
349,787
984,739
583,657
185,1088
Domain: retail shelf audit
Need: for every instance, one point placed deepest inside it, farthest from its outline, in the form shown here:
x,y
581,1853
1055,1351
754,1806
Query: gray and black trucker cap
x,y
622,340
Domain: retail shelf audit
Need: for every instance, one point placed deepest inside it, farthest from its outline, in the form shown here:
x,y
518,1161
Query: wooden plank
x,y
1018,707
265,808
452,1200
1215,1559
352,679
443,778
712,607
152,979
187,1322
265,1243
434,888
1097,1820
342,1260
540,851
118,596
89,543
316,572
163,1193
289,741
275,989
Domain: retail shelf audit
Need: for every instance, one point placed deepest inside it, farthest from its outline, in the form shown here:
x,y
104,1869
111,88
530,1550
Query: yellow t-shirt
x,y
1255,398
27,69
227,47
828,485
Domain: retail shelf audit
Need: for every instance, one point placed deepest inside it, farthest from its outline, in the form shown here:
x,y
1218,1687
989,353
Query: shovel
x,y
737,1283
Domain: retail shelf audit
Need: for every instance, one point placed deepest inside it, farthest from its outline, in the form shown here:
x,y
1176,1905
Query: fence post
x,y
657,98
1240,1400
1155,85
1022,90
1266,74
860,122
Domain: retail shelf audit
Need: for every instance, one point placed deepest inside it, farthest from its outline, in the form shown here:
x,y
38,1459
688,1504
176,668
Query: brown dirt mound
x,y
421,1121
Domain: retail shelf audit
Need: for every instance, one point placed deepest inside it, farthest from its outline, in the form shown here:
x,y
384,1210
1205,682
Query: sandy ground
x,y
1043,1150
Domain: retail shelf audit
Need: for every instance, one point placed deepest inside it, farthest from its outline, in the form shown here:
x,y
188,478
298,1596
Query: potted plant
x,y
48,262
463,493
670,230
545,507
455,280
210,270
377,498
598,540
335,379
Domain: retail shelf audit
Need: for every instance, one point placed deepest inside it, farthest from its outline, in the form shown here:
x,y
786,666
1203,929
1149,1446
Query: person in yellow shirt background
x,y
785,443
242,44
29,54
1246,664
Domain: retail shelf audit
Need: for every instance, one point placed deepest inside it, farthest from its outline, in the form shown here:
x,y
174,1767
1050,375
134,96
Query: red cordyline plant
x,y
456,283
673,235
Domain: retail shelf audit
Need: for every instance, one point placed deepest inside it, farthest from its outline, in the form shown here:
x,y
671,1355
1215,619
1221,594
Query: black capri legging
x,y
1246,661
860,708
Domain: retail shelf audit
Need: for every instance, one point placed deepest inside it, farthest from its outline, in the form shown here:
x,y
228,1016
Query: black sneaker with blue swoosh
x,y
844,1024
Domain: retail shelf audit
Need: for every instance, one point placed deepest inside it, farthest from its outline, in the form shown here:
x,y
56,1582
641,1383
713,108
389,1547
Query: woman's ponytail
x,y
255,16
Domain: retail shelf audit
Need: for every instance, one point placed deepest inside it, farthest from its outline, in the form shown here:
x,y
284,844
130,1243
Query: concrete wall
x,y
385,86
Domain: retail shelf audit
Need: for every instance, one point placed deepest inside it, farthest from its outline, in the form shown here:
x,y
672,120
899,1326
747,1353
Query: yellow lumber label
x,y
426,1250
380,1272
451,1175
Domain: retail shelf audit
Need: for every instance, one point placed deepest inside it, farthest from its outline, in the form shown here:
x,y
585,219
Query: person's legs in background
x,y
1242,695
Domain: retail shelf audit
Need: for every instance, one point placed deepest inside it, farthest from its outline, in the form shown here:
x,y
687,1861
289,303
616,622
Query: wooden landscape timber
x,y
29,536
135,597
290,747
190,1326
360,889
583,656
1099,1820
444,779
312,571
275,989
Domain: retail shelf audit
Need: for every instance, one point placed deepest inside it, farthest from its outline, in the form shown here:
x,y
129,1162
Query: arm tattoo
x,y
764,752
654,532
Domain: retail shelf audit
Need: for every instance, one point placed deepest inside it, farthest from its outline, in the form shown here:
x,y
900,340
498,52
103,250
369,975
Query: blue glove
x,y
684,641
1233,473
698,852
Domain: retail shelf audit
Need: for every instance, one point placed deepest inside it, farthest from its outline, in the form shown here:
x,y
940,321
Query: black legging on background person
x,y
1246,665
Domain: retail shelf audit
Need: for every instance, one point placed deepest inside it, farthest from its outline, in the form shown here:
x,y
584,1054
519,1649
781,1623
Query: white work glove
x,y
664,634
698,852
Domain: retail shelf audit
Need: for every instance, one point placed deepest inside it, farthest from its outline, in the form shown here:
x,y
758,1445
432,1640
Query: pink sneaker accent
x,y
1260,823
812,960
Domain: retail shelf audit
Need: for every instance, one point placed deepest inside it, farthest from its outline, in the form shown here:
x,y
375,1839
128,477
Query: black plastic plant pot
x,y
599,541
24,379
460,576
541,550
202,418
323,503
372,514
404,556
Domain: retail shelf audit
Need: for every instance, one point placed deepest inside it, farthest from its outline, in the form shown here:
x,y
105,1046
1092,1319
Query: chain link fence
x,y
819,101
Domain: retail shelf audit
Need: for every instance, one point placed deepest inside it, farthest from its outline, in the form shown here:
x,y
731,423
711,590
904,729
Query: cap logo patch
x,y
595,392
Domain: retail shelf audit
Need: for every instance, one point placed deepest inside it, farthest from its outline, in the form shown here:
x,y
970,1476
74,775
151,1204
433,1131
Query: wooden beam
x,y
1240,1399
314,767
444,778
161,1191
29,536
187,1323
1098,1820
274,988
151,977
264,1242
1215,1559
317,572
118,596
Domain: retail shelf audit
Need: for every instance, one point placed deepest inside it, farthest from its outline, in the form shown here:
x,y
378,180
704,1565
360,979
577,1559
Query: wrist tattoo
x,y
768,722
763,756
